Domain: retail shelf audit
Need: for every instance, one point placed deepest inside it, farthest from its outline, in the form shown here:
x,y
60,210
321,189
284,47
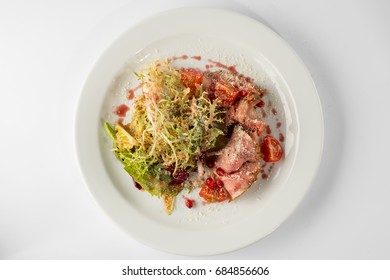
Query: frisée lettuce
x,y
173,121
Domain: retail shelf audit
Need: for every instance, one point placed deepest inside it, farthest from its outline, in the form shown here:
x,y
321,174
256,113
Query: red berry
x,y
243,93
219,183
189,203
210,182
210,163
260,104
138,186
220,171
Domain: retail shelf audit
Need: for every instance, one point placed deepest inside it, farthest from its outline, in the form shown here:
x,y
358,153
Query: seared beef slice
x,y
239,160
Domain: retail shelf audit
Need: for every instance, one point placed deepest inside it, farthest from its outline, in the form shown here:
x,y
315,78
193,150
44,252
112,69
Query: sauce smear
x,y
231,69
173,58
131,92
121,110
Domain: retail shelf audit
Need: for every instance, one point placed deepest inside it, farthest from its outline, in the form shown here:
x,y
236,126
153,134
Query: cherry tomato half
x,y
213,193
271,149
191,77
226,94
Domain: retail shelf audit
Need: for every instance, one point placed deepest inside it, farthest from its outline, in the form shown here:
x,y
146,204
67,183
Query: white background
x,y
46,51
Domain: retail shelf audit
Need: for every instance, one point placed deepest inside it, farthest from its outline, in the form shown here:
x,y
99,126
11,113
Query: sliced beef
x,y
245,113
238,182
227,86
239,95
240,149
239,161
236,81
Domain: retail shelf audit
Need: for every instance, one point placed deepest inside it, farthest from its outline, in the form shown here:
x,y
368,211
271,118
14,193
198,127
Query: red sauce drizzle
x,y
264,176
130,92
281,137
184,56
173,58
278,125
232,69
274,111
268,129
121,110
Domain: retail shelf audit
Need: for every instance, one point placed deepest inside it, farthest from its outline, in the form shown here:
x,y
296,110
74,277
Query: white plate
x,y
232,39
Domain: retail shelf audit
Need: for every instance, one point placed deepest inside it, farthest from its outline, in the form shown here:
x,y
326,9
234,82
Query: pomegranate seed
x,y
210,182
210,163
180,176
219,183
243,93
260,104
138,186
189,203
220,171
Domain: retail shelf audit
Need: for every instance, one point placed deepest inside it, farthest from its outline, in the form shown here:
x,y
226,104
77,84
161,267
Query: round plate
x,y
231,39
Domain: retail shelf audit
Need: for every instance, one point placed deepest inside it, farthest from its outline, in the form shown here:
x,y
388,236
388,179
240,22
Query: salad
x,y
194,130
